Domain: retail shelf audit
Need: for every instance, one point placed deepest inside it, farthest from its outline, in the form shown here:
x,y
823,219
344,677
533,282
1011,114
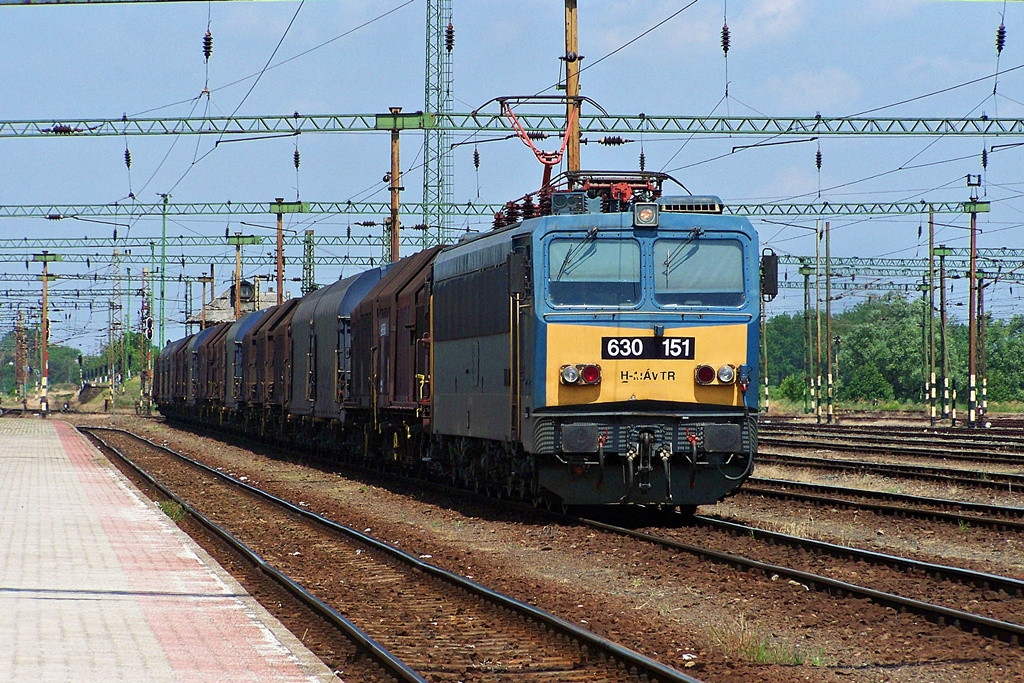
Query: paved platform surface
x,y
97,584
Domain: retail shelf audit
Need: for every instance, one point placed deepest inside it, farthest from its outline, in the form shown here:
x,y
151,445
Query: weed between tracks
x,y
172,510
743,640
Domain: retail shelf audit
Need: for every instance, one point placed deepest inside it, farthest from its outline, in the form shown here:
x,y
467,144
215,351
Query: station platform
x,y
97,584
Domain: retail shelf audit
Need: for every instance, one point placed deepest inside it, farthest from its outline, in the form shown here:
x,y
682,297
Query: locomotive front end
x,y
646,348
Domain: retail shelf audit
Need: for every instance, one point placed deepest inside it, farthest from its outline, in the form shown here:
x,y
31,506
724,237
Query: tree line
x,y
67,364
883,352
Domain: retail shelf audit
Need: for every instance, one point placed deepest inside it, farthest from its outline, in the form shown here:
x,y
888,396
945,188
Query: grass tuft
x,y
172,510
742,639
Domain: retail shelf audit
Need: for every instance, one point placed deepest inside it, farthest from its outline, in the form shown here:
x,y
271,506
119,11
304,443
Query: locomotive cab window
x,y
698,272
591,271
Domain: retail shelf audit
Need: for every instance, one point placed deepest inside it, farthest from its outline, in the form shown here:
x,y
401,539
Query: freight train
x,y
599,346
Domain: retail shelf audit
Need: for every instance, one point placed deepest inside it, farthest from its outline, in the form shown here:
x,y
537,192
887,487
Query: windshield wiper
x,y
574,250
694,234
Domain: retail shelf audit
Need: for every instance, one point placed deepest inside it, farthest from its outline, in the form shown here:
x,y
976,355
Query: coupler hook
x,y
665,455
646,442
693,439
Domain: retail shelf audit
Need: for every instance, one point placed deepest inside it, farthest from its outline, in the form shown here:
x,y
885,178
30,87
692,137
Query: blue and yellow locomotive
x,y
597,347
621,366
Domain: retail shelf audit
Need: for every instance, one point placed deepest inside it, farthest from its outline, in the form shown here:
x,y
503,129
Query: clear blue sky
x,y
787,58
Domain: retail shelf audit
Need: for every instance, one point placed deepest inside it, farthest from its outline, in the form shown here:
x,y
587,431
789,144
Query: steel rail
x,y
999,480
1010,585
936,450
756,487
353,632
652,667
942,436
994,628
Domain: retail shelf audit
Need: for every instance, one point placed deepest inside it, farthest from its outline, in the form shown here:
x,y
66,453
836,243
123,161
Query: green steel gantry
x,y
494,122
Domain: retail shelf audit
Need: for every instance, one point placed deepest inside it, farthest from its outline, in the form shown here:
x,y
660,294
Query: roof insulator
x,y
295,158
449,37
725,39
208,45
1000,38
127,158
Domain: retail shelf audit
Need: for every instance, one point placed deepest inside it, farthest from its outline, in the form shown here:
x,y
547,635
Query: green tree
x,y
792,388
866,384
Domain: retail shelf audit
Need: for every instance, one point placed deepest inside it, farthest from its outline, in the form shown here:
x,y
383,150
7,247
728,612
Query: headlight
x,y
645,215
726,374
705,374
569,374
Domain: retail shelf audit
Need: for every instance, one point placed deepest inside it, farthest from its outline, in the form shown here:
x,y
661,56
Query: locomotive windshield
x,y
698,272
588,271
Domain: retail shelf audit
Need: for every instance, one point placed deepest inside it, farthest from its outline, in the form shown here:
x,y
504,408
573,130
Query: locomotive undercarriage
x,y
649,471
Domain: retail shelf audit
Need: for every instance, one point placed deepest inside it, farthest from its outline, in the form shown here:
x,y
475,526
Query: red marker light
x,y
705,374
591,374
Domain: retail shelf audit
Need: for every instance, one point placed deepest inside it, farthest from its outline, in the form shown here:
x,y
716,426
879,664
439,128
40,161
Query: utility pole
x,y
20,356
572,85
46,258
806,271
981,342
764,352
163,270
395,179
308,264
828,318
925,314
237,240
127,309
205,280
836,342
146,340
281,207
942,251
973,207
817,315
280,253
931,315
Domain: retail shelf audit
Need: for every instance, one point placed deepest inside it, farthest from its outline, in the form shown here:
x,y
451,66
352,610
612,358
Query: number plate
x,y
664,348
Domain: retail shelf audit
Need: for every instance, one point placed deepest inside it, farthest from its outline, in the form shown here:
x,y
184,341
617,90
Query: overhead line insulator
x,y
207,44
476,158
127,158
295,158
449,37
1000,38
817,159
726,40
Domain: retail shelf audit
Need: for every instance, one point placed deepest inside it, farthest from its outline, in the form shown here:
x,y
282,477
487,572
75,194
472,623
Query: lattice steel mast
x,y
437,159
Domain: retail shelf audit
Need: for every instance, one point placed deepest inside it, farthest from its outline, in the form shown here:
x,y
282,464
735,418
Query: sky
x,y
912,58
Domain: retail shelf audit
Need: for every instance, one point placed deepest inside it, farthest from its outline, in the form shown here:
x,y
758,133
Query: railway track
x,y
1001,518
996,446
1002,481
918,582
440,625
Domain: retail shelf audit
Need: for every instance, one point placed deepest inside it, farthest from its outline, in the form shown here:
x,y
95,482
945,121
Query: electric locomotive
x,y
603,353
598,347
